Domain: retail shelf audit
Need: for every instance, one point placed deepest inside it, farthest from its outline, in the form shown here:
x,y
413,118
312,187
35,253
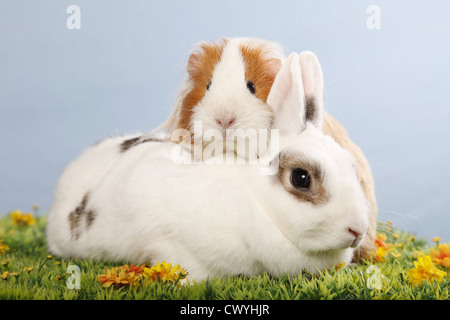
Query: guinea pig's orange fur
x,y
260,69
200,69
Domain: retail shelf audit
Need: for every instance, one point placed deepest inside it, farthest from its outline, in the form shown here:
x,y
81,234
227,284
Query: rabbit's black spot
x,y
75,217
251,87
208,86
311,108
128,144
90,217
300,179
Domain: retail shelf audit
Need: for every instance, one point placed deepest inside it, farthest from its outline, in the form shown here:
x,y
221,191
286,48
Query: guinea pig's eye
x,y
251,87
300,179
208,85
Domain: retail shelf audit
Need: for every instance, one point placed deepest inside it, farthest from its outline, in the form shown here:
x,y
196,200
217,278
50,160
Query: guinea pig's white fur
x,y
221,220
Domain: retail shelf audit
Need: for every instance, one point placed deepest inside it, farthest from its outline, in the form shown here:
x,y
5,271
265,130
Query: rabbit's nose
x,y
356,234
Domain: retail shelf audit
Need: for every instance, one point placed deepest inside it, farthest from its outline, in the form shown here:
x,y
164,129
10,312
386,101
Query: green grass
x,y
47,281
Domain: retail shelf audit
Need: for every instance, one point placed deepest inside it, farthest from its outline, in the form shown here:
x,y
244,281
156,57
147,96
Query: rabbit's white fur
x,y
85,173
215,220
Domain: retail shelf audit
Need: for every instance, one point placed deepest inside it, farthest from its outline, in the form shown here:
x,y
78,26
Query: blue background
x,y
62,90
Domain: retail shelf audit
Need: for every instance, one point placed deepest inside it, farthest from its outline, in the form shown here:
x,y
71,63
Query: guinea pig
x,y
226,89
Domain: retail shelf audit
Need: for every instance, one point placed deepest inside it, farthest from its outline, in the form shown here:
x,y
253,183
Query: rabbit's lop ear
x,y
287,99
313,87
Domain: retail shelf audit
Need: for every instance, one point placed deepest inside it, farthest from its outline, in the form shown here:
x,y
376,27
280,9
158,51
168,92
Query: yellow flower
x,y
164,272
339,266
4,275
121,276
441,256
395,254
3,247
22,219
28,269
399,245
436,239
60,277
424,271
380,254
417,253
5,262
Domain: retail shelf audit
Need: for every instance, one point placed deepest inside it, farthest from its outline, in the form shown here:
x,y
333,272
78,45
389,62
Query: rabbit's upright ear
x,y
313,87
287,99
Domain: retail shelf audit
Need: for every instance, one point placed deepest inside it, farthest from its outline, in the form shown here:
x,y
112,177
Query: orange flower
x,y
380,241
123,275
136,269
424,271
382,248
441,256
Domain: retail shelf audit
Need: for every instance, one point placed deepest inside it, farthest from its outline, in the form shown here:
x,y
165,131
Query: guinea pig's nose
x,y
225,123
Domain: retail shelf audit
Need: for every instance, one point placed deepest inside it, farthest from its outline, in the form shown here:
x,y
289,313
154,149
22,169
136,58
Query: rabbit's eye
x,y
300,179
251,87
208,86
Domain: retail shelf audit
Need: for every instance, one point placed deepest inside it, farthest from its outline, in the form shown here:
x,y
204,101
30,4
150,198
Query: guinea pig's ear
x,y
193,63
287,99
313,87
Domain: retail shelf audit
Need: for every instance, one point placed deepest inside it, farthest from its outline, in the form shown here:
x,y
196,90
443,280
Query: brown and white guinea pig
x,y
227,85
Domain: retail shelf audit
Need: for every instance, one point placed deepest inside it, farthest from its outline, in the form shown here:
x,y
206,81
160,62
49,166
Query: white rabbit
x,y
226,68
221,220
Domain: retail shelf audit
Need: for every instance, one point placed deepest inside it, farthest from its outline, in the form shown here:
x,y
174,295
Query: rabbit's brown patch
x,y
316,193
75,217
260,69
200,70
